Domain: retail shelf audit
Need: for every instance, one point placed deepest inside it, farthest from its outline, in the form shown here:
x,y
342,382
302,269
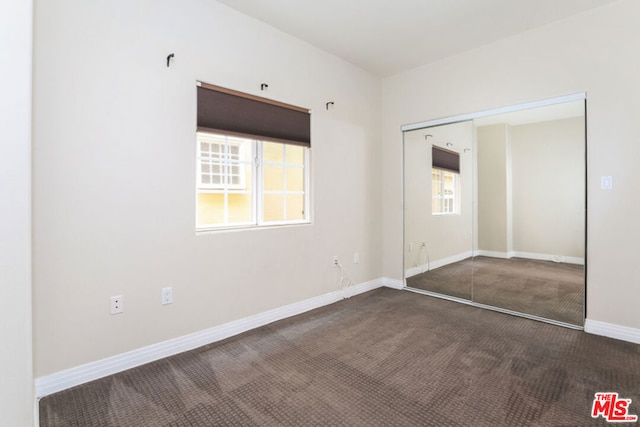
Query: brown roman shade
x,y
445,159
237,113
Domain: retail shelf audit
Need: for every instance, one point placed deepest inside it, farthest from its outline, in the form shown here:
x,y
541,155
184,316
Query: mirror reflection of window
x,y
445,179
444,185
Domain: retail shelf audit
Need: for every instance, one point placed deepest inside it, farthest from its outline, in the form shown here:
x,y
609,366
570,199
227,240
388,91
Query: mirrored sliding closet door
x,y
494,210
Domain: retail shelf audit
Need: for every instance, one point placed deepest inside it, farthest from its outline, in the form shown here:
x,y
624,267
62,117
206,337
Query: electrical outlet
x,y
410,247
334,261
167,296
117,304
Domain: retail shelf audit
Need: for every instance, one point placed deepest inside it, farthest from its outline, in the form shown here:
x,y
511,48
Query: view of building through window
x,y
444,190
243,182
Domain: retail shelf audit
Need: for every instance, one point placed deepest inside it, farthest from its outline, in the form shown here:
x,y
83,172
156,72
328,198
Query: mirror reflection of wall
x,y
507,229
531,212
439,208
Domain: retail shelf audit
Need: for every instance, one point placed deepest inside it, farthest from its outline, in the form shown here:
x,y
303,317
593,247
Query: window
x,y
221,162
252,160
444,188
445,181
283,182
244,182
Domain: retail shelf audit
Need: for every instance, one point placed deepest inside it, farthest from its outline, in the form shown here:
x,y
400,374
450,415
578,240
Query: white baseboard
x,y
611,330
530,255
492,254
94,370
392,283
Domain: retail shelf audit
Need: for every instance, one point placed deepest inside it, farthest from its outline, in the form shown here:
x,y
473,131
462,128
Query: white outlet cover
x,y
167,296
117,304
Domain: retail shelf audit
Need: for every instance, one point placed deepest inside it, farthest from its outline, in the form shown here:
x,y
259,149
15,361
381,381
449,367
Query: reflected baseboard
x,y
493,308
432,265
530,255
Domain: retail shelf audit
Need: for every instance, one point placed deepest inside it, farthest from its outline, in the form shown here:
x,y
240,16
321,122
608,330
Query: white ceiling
x,y
386,37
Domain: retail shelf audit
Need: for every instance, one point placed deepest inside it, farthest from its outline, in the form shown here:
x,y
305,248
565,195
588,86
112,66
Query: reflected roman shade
x,y
445,159
236,113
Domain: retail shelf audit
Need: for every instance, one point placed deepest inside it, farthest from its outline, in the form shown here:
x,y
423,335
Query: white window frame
x,y
284,191
455,197
257,187
225,162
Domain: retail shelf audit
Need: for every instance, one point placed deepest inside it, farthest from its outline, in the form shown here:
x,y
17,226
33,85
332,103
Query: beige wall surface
x,y
16,377
531,189
114,180
588,52
548,161
494,226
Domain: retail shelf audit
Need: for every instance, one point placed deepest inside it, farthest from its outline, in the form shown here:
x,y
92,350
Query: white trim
x,y
518,107
611,330
547,257
437,264
531,255
393,283
94,370
492,254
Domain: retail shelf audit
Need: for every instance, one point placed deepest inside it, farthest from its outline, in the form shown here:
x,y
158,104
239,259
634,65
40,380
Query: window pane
x,y
295,206
273,152
435,189
225,196
273,178
240,208
444,189
210,209
295,155
273,207
295,179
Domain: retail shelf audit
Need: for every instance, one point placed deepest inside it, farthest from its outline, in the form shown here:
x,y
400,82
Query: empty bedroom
x,y
246,212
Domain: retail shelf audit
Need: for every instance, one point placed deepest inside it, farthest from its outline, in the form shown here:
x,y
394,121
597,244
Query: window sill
x,y
270,226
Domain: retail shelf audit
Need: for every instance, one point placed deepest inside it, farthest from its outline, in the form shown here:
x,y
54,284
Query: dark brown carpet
x,y
453,279
541,288
385,358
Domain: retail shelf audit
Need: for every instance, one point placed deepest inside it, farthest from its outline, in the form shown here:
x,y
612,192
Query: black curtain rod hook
x,y
264,86
169,59
328,104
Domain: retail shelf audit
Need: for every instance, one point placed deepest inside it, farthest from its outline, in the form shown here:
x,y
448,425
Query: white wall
x,y
16,377
589,52
114,173
493,203
531,189
548,187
